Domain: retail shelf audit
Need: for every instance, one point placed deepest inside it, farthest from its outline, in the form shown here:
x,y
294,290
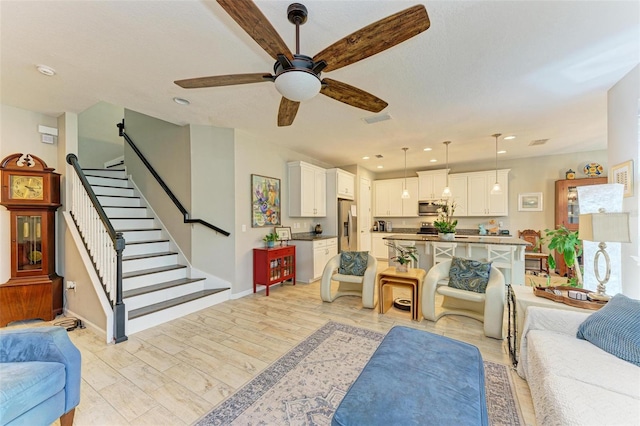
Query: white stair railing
x,y
104,245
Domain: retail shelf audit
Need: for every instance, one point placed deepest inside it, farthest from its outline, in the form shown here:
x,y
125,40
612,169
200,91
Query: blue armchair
x,y
39,376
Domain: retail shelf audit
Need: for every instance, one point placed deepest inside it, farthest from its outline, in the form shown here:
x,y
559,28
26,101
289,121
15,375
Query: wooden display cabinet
x,y
567,209
273,266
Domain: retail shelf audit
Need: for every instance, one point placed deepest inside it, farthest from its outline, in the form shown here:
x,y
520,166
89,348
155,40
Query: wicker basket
x,y
584,304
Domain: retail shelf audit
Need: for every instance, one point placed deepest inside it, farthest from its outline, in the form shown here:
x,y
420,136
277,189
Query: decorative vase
x,y
402,268
448,236
271,244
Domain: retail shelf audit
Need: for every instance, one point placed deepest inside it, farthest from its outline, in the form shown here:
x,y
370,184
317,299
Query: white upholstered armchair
x,y
487,307
350,285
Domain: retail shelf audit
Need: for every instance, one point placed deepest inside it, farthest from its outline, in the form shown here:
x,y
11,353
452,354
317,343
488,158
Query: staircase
x,y
158,284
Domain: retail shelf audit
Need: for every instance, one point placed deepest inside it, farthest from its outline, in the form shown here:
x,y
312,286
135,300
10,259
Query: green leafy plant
x,y
566,243
445,223
270,237
404,254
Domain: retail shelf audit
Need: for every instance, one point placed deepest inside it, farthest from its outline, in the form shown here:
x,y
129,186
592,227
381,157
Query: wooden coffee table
x,y
390,278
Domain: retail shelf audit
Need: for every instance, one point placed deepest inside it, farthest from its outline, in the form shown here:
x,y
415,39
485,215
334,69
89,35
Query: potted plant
x,y
566,243
446,224
270,239
404,255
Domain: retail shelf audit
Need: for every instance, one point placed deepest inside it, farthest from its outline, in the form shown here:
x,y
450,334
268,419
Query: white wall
x,y
98,139
624,141
212,170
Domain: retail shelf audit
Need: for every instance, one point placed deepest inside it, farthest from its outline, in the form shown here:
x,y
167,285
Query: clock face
x,y
26,187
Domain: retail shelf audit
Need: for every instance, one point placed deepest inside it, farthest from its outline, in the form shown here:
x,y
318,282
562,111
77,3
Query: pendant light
x,y
405,191
446,193
496,189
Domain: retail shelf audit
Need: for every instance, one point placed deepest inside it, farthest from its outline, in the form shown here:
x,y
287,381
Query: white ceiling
x,y
533,69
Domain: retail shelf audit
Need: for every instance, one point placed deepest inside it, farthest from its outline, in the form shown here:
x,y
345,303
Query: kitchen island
x,y
467,246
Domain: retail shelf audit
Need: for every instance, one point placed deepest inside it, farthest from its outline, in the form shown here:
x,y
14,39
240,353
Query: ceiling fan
x,y
297,77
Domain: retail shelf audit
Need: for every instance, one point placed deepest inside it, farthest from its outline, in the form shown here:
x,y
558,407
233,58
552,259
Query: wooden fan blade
x,y
352,95
287,112
223,80
254,23
375,38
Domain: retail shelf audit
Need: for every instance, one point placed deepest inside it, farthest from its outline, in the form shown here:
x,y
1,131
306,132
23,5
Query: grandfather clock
x,y
31,192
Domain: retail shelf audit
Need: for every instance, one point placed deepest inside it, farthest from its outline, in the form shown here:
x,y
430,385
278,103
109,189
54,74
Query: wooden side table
x,y
390,278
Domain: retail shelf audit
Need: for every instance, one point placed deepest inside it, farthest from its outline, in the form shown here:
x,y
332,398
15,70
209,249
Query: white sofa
x,y
572,381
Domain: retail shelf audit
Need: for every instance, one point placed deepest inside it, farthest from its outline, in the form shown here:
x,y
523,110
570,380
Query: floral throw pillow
x,y
470,275
353,262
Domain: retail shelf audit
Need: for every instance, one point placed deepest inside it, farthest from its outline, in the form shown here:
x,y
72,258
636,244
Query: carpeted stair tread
x,y
152,271
172,302
158,287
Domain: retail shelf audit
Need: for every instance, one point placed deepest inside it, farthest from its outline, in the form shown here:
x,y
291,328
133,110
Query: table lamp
x,y
601,227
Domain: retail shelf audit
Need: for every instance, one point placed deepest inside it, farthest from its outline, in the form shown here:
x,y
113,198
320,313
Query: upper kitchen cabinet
x,y
307,190
480,200
342,183
388,201
431,183
458,186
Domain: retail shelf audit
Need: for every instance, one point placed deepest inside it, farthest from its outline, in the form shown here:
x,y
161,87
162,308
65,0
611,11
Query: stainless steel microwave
x,y
428,208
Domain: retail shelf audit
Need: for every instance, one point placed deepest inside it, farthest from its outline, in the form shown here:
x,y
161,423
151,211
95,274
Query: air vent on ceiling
x,y
538,142
378,155
377,118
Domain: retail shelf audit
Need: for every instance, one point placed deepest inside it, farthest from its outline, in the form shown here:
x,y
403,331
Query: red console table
x,y
273,266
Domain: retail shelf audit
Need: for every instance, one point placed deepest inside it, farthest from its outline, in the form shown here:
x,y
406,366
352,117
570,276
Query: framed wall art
x,y
265,201
530,202
623,173
284,233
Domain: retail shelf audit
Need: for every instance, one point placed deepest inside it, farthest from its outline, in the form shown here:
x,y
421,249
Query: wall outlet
x,y
244,228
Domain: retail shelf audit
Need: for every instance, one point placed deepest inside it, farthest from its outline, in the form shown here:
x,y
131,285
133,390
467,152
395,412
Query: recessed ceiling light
x,y
502,152
45,70
433,160
508,138
381,167
427,149
366,157
181,101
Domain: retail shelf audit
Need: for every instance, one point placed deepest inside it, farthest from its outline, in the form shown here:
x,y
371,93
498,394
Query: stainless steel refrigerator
x,y
347,225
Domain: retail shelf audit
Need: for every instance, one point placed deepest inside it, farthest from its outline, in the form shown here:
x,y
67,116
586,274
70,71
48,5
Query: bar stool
x,y
443,251
503,258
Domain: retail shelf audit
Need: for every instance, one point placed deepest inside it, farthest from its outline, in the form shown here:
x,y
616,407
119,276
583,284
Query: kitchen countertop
x,y
310,236
469,239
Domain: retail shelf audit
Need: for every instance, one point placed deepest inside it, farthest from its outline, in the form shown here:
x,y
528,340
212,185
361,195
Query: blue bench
x,y
417,378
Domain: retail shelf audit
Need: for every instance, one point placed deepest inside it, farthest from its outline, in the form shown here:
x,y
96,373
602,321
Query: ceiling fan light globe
x,y
297,85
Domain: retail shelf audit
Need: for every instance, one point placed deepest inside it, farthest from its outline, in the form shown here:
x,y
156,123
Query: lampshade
x,y
609,227
298,84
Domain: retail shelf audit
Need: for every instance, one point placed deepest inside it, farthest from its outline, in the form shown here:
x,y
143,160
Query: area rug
x,y
305,386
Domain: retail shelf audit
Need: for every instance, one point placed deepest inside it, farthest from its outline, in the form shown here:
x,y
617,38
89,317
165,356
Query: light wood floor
x,y
174,373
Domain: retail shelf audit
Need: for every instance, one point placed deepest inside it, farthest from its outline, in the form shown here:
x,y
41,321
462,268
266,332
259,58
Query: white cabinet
x,y
379,250
431,184
342,183
388,201
312,256
458,186
307,190
480,200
